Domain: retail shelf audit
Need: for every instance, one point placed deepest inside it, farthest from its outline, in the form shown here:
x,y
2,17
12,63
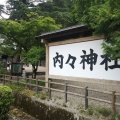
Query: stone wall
x,y
42,111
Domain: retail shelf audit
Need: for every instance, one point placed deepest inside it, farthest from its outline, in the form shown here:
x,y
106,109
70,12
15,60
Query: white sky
x,y
3,1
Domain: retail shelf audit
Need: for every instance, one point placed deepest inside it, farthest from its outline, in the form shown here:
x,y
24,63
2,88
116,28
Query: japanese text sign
x,y
83,59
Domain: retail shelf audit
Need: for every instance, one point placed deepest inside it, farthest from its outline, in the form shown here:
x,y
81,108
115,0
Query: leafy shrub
x,y
104,111
14,87
42,96
6,99
27,92
2,70
90,111
115,117
41,83
2,67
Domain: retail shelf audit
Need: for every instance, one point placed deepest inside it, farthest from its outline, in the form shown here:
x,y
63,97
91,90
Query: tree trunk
x,y
34,70
18,58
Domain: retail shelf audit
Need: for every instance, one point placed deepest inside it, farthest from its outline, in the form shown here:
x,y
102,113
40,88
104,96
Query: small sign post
x,y
16,68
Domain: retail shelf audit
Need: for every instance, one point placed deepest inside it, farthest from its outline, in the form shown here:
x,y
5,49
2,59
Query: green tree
x,y
20,35
33,56
81,9
18,9
104,17
60,10
8,48
11,31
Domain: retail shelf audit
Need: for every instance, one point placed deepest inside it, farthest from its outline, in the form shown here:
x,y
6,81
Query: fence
x,y
66,92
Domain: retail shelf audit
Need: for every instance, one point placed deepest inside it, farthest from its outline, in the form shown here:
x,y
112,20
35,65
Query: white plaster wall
x,y
75,49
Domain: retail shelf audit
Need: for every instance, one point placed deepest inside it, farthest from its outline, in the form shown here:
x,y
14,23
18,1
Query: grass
x,y
115,117
33,82
21,89
14,87
27,92
42,96
90,111
104,111
96,113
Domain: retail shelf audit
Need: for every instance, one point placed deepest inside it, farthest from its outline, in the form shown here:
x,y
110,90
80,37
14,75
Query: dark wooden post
x,y
86,97
3,79
17,81
65,91
36,85
49,90
113,102
10,79
26,82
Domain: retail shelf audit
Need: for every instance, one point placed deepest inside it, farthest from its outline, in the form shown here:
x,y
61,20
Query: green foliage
x,y
104,17
2,67
115,117
33,82
34,54
99,112
2,70
6,100
27,92
42,96
81,8
18,9
15,88
60,10
104,111
20,35
90,111
39,82
21,89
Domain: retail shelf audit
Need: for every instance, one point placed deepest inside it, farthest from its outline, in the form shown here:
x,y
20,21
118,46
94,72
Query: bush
x,y
15,88
115,117
90,111
2,70
42,96
104,112
27,92
6,99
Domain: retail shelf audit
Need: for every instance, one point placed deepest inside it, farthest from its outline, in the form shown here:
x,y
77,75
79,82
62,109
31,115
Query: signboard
x,y
83,59
16,68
